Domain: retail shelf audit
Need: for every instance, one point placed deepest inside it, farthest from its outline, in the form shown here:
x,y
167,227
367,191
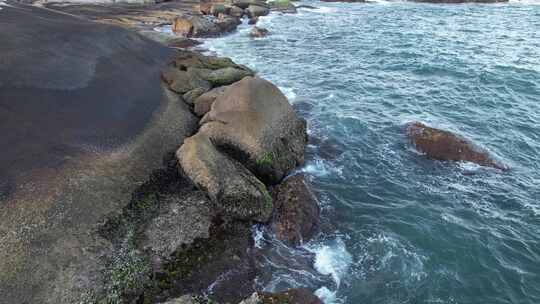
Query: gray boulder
x,y
255,123
231,187
227,76
257,11
204,102
246,3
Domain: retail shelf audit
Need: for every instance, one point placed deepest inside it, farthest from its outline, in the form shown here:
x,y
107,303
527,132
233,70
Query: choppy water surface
x,y
400,228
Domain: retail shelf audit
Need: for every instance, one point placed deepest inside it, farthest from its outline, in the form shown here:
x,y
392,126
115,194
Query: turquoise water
x,y
400,228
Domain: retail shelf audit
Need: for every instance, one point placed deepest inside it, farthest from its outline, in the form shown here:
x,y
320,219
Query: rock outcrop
x,y
96,113
446,146
254,122
296,215
230,186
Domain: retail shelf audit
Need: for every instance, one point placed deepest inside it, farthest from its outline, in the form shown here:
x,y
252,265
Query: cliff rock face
x,y
88,122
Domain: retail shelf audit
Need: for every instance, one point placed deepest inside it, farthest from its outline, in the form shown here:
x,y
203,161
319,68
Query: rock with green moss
x,y
184,81
254,123
231,187
226,76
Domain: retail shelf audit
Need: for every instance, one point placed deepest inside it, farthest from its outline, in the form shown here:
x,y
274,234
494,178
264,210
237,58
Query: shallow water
x,y
401,228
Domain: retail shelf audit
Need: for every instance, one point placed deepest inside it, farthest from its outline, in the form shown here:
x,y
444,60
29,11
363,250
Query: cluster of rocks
x,y
249,140
217,17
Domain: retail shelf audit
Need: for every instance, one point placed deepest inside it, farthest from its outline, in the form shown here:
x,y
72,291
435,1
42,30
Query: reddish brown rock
x,y
258,32
182,26
444,145
253,20
296,215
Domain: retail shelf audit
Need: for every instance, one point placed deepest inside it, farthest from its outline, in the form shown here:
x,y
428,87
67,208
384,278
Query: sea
x,y
398,227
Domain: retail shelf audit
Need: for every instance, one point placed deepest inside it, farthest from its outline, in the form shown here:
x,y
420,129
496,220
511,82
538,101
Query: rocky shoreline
x,y
167,216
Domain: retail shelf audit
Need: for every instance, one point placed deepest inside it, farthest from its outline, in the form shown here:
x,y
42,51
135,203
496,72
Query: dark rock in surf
x,y
306,7
253,20
291,296
446,146
258,32
296,215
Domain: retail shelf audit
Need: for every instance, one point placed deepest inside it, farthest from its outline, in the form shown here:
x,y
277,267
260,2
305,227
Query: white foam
x,y
333,260
529,2
3,3
326,9
289,93
258,236
327,296
319,167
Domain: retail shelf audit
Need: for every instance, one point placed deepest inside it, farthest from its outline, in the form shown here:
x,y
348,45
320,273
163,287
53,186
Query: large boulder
x,y
296,215
230,186
243,4
254,122
283,6
291,296
444,145
257,11
203,103
236,11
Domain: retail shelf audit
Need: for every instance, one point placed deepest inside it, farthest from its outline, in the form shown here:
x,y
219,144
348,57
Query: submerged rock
x,y
444,145
254,122
296,215
258,32
253,20
291,296
230,186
